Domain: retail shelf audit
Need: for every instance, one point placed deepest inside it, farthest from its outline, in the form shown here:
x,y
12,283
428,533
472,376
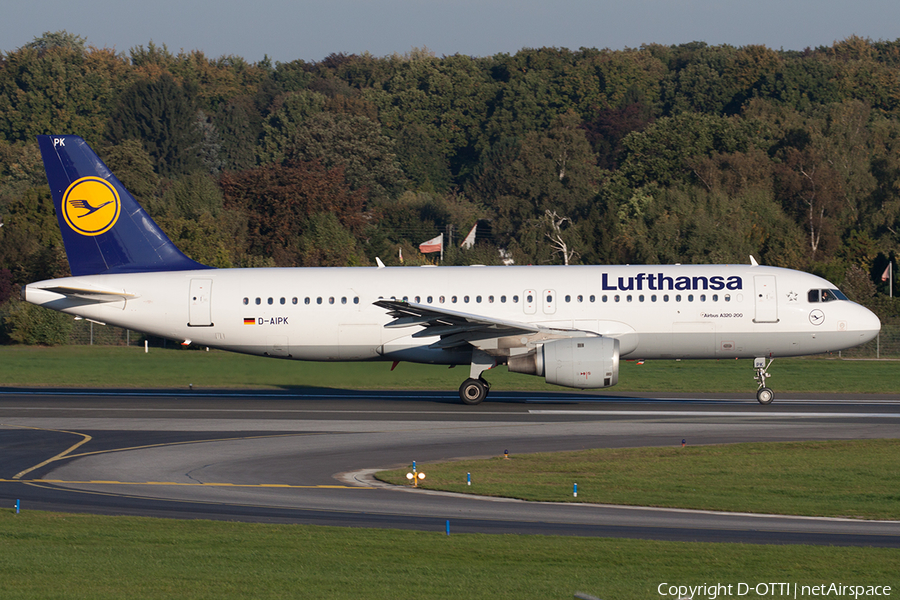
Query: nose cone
x,y
867,324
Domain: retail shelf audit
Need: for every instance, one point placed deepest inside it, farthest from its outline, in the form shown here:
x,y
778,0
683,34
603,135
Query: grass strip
x,y
47,556
130,367
856,479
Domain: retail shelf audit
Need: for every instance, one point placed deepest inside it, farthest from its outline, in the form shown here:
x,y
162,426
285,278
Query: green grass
x,y
46,556
111,366
855,479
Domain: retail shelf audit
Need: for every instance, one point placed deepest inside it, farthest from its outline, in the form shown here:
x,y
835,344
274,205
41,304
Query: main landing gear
x,y
764,395
474,391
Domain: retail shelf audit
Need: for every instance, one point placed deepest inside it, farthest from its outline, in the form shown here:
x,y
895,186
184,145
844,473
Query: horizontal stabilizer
x,y
91,293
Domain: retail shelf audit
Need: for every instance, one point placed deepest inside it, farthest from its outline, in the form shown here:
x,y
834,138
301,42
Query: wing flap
x,y
442,322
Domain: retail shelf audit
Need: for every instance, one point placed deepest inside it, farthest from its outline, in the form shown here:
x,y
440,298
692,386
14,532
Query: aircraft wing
x,y
458,328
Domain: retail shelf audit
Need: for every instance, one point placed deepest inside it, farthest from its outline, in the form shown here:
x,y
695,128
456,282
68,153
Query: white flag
x,y
432,245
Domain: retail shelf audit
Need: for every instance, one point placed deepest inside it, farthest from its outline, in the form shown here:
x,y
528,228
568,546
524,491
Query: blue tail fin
x,y
103,227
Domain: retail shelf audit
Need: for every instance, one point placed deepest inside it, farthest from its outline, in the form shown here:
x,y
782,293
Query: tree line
x,y
661,154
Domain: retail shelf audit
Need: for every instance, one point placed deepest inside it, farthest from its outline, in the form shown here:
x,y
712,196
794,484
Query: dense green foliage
x,y
689,153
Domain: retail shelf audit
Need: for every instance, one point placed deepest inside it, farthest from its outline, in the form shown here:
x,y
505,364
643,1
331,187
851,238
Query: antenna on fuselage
x,y
753,261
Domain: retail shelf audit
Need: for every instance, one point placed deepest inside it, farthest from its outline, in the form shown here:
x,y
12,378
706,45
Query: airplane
x,y
569,324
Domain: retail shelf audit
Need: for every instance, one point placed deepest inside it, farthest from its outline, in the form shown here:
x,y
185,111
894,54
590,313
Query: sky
x,y
287,30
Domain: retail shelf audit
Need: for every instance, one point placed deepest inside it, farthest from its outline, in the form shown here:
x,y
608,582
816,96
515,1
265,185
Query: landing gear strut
x,y
764,395
474,391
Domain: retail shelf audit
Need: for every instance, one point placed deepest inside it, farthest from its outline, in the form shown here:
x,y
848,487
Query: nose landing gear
x,y
764,395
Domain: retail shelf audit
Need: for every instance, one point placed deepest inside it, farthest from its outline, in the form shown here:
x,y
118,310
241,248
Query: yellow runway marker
x,y
60,456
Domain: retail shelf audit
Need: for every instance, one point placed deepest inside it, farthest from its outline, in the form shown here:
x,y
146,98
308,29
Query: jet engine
x,y
586,363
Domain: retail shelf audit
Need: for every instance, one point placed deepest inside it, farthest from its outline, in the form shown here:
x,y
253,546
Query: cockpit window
x,y
826,295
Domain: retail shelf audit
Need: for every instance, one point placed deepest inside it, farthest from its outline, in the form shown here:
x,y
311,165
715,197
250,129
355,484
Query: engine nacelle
x,y
585,363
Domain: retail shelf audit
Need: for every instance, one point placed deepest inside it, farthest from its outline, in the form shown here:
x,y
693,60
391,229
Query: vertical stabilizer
x,y
103,227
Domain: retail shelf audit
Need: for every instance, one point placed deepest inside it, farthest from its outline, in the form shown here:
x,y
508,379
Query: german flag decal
x,y
249,321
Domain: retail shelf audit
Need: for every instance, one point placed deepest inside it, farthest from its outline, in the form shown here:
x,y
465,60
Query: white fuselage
x,y
670,311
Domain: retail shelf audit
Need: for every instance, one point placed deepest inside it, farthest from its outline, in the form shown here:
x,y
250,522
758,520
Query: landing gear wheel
x,y
473,391
765,395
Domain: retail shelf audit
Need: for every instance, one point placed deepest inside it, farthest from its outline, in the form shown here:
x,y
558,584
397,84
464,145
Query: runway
x,y
306,456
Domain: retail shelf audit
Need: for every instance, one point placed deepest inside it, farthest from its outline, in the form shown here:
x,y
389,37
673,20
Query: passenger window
x,y
594,298
356,300
702,297
715,297
568,298
306,300
628,297
331,300
294,300
259,301
319,300
453,299
466,299
503,299
653,298
641,298
549,298
665,297
580,298
429,299
271,301
727,297
690,297
344,300
677,297
515,299
246,301
478,299
282,301
442,300
530,298
616,298
418,299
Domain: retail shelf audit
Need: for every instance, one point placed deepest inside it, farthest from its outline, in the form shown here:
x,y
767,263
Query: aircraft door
x,y
199,302
529,302
549,300
766,299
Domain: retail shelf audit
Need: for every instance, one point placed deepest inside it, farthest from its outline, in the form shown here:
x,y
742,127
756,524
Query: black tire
x,y
765,395
473,391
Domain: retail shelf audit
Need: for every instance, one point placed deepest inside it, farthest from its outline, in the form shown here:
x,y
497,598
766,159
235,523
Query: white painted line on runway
x,y
714,413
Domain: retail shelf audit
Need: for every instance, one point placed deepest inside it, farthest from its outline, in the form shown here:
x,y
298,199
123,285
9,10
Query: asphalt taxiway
x,y
307,456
